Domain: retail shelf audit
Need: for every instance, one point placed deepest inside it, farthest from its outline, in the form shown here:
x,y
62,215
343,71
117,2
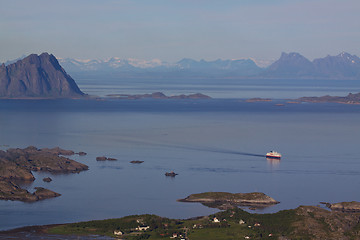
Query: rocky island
x,y
225,200
103,158
250,100
349,99
158,95
136,162
17,165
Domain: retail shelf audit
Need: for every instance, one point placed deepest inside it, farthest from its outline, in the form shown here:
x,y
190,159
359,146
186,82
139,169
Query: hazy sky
x,y
174,29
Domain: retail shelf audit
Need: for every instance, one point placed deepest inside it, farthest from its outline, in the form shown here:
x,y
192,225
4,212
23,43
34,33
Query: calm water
x,y
212,144
220,88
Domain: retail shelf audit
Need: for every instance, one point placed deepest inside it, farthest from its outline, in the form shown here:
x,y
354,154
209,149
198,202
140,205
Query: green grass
x,y
232,232
282,223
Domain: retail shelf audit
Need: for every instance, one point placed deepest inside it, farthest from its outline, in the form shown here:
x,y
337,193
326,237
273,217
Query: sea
x,y
213,144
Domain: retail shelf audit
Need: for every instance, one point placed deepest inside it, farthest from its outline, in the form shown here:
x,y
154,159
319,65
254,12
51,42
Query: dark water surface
x,y
214,145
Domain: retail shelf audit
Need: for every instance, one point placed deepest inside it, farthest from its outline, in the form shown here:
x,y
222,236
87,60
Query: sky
x,y
174,29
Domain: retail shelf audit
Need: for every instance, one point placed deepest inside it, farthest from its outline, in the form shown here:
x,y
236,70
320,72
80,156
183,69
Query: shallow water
x,y
214,145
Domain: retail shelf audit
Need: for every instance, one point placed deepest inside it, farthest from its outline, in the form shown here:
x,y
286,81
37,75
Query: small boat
x,y
273,154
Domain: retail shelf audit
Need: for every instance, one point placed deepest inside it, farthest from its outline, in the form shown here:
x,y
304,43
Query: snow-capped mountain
x,y
242,67
288,66
112,64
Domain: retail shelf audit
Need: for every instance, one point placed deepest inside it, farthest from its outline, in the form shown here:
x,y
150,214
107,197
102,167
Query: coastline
x,y
292,223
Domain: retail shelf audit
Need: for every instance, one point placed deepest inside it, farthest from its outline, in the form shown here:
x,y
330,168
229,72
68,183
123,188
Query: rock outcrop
x,y
17,164
171,174
136,162
47,179
11,191
37,76
103,158
345,206
34,159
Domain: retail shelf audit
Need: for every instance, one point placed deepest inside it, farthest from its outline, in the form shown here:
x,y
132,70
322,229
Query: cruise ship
x,y
273,154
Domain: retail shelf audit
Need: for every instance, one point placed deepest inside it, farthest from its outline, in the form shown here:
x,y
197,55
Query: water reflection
x,y
273,162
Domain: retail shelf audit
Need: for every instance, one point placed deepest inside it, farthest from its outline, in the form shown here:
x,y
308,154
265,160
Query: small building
x,y
142,228
118,233
174,235
215,220
241,222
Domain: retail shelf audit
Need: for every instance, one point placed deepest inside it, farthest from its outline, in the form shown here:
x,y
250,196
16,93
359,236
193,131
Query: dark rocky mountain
x,y
294,65
343,65
291,65
37,76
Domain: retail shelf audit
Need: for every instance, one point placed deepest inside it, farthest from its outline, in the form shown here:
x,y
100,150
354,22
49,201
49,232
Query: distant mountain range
x,y
185,67
288,66
37,76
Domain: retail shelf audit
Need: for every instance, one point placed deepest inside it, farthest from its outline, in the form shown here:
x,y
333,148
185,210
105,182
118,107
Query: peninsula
x,y
18,164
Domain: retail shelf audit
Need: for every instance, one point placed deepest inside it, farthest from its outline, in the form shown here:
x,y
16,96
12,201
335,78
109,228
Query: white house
x,y
142,228
216,220
118,233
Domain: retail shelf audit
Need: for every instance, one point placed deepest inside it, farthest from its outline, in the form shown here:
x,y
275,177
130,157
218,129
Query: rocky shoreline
x,y
17,165
344,206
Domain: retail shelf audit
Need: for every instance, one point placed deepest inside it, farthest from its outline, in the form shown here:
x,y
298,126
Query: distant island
x,y
349,99
225,200
158,95
37,76
304,222
17,164
259,100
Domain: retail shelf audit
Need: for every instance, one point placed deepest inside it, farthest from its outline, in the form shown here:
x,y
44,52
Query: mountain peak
x,y
290,65
291,55
37,76
343,65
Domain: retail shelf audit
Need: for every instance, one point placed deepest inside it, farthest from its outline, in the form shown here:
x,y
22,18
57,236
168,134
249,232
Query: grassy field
x,y
301,223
